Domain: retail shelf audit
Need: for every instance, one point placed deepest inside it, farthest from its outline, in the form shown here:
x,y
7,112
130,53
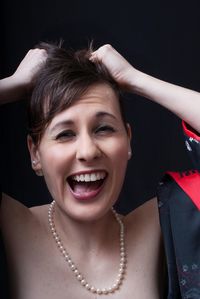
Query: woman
x,y
77,134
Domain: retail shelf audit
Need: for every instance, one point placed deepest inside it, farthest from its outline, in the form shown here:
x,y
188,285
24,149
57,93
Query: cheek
x,y
118,164
118,152
120,160
55,162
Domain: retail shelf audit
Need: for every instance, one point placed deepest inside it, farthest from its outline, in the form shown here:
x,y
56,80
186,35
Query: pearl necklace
x,y
73,267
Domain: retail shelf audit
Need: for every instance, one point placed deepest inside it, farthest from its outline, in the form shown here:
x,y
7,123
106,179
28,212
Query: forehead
x,y
100,97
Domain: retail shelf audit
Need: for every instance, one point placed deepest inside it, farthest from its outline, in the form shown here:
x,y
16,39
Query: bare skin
x,y
38,270
20,83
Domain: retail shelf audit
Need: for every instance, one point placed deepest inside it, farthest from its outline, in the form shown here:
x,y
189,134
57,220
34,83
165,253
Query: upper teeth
x,y
89,177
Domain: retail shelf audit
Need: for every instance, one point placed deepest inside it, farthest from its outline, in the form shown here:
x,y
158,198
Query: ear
x,y
35,156
129,133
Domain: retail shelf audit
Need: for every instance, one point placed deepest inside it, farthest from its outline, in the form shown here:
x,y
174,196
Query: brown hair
x,y
65,76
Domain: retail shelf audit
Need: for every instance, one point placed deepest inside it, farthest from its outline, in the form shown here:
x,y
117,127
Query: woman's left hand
x,y
119,68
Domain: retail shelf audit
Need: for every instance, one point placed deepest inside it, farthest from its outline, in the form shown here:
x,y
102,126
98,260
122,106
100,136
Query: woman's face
x,y
83,154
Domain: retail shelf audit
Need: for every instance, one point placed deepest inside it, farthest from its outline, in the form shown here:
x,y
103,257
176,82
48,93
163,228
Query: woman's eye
x,y
65,135
105,129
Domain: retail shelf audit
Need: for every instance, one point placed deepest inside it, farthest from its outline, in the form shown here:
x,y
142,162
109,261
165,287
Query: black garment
x,y
179,207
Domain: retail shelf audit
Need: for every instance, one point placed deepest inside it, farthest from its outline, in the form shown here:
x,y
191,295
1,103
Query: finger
x,y
93,57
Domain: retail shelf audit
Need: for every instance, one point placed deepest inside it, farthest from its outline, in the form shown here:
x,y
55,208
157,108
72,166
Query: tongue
x,y
86,187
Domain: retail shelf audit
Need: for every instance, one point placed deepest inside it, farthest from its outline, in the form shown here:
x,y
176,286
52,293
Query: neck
x,y
87,236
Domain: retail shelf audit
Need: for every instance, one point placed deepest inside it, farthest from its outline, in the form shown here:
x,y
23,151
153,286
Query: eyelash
x,y
65,135
105,129
70,134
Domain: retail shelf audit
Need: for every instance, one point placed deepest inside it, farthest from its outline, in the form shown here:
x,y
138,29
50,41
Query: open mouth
x,y
87,185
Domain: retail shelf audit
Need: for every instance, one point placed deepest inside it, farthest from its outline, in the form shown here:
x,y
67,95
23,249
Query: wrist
x,y
21,85
145,85
12,89
134,80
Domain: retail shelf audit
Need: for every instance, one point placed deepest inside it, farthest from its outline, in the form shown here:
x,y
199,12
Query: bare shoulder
x,y
145,219
144,241
17,220
12,210
148,211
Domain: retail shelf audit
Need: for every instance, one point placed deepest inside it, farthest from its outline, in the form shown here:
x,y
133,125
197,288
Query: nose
x,y
87,149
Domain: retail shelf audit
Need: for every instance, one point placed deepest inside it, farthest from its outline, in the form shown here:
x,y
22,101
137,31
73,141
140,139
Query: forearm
x,y
183,102
11,90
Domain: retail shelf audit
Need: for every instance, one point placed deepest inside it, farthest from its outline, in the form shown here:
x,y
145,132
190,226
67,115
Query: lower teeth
x,y
83,187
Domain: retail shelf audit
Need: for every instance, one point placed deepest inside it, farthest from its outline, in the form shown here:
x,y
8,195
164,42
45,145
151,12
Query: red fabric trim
x,y
189,133
190,184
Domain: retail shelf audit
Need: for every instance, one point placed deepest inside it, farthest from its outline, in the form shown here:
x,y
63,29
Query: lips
x,y
86,185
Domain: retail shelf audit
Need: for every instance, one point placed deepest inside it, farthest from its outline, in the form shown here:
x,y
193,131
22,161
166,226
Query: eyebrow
x,y
70,122
102,114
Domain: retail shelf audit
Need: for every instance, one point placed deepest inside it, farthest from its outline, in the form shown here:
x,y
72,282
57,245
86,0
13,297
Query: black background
x,y
158,37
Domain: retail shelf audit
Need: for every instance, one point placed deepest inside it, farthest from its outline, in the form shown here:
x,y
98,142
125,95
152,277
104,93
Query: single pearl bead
x,y
112,290
76,272
121,270
72,267
69,262
105,291
122,265
93,289
79,277
83,282
118,281
66,257
87,286
99,292
115,287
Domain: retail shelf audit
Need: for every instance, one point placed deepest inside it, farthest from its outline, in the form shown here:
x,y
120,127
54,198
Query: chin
x,y
87,213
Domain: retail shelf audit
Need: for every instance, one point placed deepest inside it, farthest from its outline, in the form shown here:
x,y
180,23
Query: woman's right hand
x,y
119,68
22,81
30,65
